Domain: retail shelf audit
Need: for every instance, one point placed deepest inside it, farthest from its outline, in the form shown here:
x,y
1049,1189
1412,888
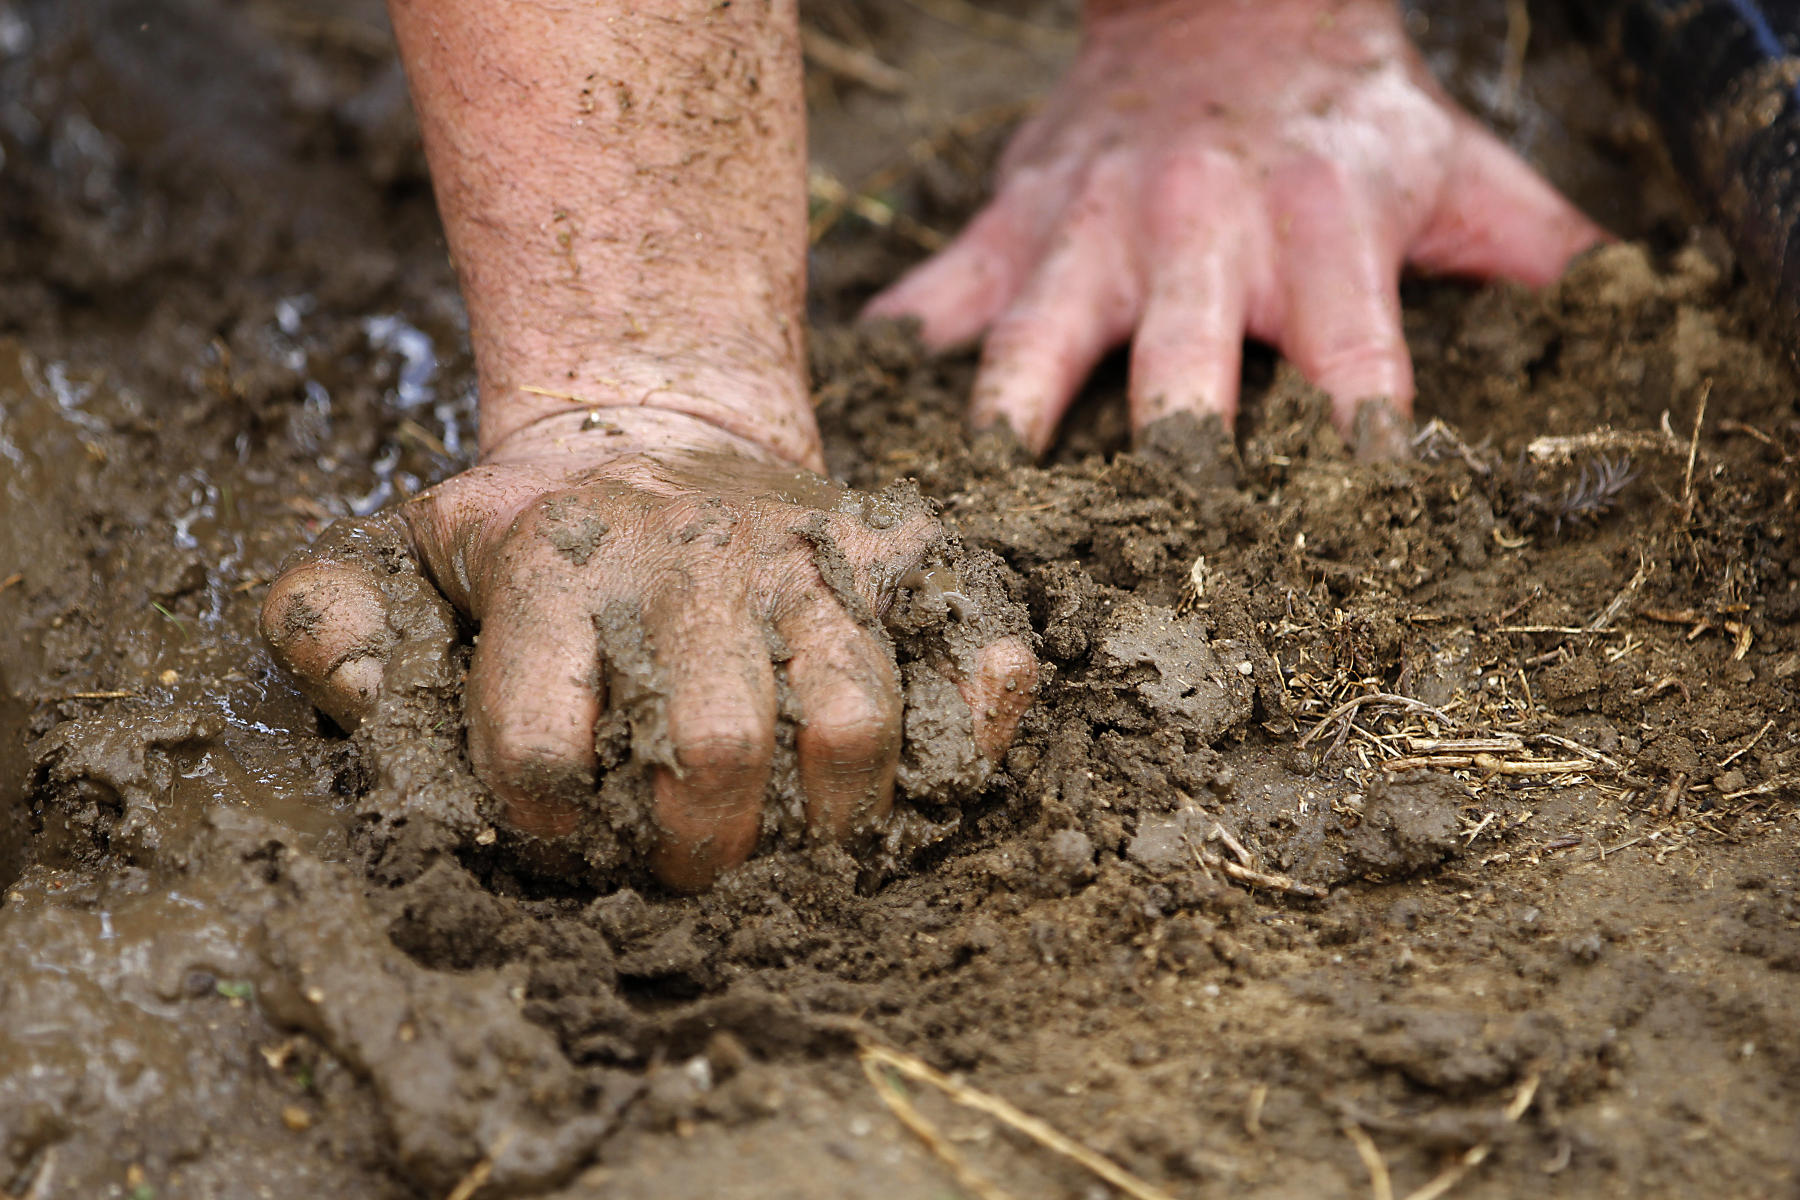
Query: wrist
x,y
740,369
583,437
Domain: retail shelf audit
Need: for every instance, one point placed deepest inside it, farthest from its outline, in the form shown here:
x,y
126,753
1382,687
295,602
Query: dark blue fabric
x,y
1719,76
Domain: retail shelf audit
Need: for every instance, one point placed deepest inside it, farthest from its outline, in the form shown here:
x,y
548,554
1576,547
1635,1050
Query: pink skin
x,y
623,189
1211,168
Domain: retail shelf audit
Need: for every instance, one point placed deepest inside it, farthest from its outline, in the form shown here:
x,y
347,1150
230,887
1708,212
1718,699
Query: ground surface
x,y
241,954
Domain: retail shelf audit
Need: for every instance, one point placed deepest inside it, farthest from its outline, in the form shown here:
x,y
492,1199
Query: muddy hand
x,y
680,583
1209,169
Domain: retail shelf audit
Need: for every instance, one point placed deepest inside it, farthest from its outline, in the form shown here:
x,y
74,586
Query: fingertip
x,y
700,836
957,292
532,700
540,817
994,412
946,320
720,728
327,624
999,693
348,694
1581,236
1355,353
1375,377
848,742
1499,218
1380,431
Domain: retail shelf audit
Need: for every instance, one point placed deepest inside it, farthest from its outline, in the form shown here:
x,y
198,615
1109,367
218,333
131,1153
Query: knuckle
x,y
1374,355
1317,179
1189,183
723,750
1198,162
524,746
1025,348
857,725
527,765
1109,173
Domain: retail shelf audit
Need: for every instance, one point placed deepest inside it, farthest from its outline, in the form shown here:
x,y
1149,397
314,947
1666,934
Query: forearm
x,y
623,189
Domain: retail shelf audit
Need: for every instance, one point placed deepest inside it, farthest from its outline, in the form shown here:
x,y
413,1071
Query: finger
x,y
327,623
848,696
327,616
720,712
1081,301
998,693
534,695
458,525
1188,349
957,292
1498,217
1341,304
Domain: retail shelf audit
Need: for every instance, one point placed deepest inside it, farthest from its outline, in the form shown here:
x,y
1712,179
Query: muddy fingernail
x,y
1380,432
348,693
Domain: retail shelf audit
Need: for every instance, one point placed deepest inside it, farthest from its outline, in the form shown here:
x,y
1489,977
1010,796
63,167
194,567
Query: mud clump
x,y
1164,672
1408,826
462,1076
1460,1053
105,783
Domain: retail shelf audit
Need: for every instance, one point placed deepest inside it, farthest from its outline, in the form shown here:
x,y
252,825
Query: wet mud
x,y
1440,811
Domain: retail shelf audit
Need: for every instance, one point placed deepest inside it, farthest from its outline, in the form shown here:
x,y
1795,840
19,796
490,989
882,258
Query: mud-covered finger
x,y
999,686
1340,275
458,529
535,693
328,615
719,711
1080,302
1187,351
1497,217
327,623
847,694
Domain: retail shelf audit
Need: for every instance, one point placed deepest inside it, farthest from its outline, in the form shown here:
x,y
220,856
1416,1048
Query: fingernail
x,y
1380,432
348,694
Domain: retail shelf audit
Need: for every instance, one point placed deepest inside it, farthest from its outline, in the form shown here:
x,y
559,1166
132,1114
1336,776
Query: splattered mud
x,y
1521,712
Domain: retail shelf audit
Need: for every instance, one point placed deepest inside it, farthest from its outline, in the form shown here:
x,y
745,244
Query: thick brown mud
x,y
1439,811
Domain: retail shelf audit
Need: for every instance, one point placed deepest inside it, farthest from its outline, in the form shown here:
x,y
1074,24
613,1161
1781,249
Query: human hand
x,y
1215,167
670,586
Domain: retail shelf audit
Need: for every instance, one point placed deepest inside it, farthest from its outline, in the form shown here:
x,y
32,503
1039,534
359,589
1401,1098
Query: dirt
x,y
1526,722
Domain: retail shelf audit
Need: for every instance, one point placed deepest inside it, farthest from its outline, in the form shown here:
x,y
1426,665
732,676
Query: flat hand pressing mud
x,y
693,596
1216,167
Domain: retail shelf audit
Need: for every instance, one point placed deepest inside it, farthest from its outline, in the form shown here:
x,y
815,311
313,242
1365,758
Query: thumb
x,y
328,615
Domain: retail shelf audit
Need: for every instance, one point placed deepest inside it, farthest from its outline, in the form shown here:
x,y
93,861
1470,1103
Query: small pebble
x,y
169,678
296,1118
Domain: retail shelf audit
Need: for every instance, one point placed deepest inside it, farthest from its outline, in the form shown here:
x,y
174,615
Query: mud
x,y
244,952
13,834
